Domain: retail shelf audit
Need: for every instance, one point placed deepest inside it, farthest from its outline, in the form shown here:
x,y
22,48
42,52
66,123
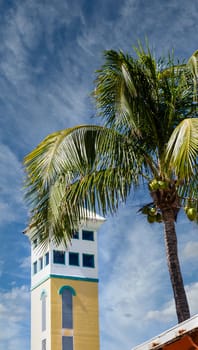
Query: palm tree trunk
x,y
181,303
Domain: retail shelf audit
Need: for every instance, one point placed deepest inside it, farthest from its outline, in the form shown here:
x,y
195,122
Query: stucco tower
x,y
64,292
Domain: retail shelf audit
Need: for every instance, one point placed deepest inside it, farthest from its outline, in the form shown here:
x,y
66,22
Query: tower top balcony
x,y
79,260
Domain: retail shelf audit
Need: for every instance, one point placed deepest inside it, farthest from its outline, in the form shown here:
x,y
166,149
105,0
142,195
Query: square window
x,y
67,343
73,259
47,258
75,235
35,267
59,257
88,260
87,235
40,263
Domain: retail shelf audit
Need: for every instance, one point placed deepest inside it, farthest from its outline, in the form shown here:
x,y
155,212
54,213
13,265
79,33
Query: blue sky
x,y
49,52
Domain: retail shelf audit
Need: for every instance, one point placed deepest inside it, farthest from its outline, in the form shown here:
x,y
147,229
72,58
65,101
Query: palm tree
x,y
149,135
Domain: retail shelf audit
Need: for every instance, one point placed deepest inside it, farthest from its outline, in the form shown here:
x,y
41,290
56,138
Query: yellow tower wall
x,y
85,314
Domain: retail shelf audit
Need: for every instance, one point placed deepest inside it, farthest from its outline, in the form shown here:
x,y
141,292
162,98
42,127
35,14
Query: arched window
x,y
43,310
67,293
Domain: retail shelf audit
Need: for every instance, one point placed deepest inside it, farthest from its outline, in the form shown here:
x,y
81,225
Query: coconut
x,y
153,185
152,212
145,210
151,219
162,185
191,213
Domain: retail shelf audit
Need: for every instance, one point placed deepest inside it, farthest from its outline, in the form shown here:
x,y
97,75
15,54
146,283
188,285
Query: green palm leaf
x,y
182,149
75,170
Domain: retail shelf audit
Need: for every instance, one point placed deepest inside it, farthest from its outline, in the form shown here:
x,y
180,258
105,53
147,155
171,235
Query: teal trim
x,y
72,290
86,279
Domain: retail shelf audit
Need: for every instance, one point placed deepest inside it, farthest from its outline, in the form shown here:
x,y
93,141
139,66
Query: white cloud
x,y
167,311
11,203
24,28
166,314
44,84
1,267
131,277
191,250
14,313
158,20
192,293
25,263
65,73
7,213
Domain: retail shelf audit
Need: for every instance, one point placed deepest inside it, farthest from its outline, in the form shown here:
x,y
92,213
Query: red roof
x,y
184,343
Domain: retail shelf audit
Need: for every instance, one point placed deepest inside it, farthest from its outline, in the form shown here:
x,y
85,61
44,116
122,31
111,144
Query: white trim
x,y
171,334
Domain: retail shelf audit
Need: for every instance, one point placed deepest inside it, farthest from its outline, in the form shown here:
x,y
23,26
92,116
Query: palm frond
x,y
193,65
89,167
182,149
139,96
125,95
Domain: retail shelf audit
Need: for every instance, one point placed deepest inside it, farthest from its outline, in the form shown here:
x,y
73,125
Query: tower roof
x,y
90,218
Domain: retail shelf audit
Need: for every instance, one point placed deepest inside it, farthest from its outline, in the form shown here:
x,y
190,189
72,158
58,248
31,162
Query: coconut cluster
x,y
155,185
153,215
164,194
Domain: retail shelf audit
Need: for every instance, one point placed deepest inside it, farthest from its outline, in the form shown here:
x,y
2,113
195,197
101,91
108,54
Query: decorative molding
x,y
85,279
72,290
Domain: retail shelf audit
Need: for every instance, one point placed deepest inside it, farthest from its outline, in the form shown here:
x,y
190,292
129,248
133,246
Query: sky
x,y
49,52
